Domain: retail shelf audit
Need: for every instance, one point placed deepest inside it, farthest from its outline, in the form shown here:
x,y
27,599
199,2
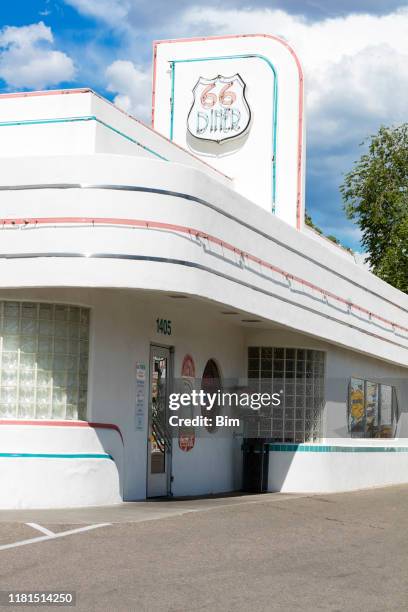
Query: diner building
x,y
138,260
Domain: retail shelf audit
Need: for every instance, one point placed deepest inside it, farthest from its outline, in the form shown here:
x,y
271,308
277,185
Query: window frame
x,y
212,413
58,337
380,426
300,418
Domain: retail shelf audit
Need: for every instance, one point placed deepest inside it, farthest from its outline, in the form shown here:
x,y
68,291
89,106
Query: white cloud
x,y
27,59
356,69
133,87
351,63
356,66
111,11
353,95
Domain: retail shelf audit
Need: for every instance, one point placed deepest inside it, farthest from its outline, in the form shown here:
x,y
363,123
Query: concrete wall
x,y
119,254
123,325
340,366
78,121
55,465
117,218
334,466
343,365
339,462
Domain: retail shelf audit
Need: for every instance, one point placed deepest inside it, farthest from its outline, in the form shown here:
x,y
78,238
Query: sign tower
x,y
237,102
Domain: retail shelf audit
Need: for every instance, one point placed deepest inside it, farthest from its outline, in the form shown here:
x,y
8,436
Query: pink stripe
x,y
301,86
50,92
55,423
154,80
198,234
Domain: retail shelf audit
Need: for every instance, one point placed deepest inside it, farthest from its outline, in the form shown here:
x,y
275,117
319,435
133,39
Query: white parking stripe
x,y
54,536
43,530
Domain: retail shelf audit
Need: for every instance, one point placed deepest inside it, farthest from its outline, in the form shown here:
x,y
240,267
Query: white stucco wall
x,y
51,468
340,366
114,254
334,470
339,462
123,325
125,273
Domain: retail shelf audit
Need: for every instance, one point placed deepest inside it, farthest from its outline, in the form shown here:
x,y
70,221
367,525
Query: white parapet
x,y
337,465
59,464
124,222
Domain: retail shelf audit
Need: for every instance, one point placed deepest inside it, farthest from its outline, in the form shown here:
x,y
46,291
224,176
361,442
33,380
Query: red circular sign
x,y
186,437
186,441
188,367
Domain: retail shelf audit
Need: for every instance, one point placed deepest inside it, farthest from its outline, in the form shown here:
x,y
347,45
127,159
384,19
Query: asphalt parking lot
x,y
343,552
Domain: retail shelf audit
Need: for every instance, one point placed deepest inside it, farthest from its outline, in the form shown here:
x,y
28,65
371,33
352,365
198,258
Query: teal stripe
x,y
86,118
43,121
274,109
139,144
58,455
317,448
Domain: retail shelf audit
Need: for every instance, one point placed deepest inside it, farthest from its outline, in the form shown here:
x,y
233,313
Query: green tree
x,y
375,195
309,221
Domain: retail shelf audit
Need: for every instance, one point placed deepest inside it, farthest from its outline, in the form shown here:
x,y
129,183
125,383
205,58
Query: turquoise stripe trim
x,y
139,144
44,121
317,448
86,118
274,108
58,455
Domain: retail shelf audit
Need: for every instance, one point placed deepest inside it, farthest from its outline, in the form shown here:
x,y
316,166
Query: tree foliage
x,y
309,221
375,195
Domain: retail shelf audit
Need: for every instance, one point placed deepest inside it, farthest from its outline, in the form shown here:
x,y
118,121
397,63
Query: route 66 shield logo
x,y
220,110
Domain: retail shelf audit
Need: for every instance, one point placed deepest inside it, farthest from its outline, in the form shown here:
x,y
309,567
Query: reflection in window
x,y
43,360
373,409
159,440
356,406
386,410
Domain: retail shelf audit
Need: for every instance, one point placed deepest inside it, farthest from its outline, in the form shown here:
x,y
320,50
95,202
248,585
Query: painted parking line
x,y
43,530
50,535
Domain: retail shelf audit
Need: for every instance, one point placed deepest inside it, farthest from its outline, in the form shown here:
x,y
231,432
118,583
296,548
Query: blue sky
x,y
355,56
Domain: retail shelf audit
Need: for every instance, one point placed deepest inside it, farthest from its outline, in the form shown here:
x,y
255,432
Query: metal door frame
x,y
169,454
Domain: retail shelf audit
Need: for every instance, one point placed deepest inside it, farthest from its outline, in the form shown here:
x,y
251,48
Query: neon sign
x,y
220,110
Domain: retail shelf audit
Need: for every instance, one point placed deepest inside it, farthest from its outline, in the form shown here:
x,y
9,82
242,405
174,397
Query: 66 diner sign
x,y
220,110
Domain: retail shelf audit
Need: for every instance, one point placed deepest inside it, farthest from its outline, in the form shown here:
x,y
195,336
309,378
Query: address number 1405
x,y
163,326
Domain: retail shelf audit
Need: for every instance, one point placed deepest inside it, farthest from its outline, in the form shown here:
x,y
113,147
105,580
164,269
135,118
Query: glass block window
x,y
43,361
298,375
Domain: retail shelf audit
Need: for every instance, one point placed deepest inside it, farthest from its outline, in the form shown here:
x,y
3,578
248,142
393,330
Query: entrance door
x,y
159,441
